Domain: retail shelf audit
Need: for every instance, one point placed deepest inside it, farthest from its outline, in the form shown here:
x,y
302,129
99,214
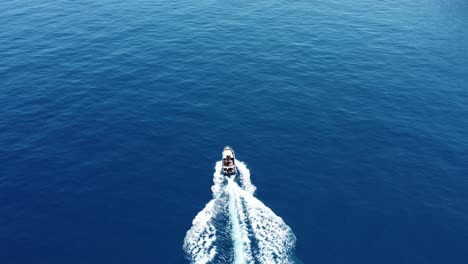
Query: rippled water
x,y
351,116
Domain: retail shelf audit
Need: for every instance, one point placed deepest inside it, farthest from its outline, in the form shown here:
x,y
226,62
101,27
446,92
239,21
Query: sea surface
x,y
352,117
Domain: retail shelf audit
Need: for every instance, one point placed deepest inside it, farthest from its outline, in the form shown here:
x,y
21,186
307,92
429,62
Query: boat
x,y
229,166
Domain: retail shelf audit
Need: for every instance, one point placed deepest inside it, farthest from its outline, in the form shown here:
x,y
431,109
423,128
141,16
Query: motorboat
x,y
229,166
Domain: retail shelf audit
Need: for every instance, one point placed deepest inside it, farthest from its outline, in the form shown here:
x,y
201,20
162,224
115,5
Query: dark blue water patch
x,y
350,115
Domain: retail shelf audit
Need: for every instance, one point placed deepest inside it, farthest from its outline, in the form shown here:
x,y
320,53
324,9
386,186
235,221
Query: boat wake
x,y
236,227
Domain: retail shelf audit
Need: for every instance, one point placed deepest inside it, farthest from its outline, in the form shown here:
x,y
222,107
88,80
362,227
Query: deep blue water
x,y
351,115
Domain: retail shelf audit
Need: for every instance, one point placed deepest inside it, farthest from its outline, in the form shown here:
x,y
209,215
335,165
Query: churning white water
x,y
236,227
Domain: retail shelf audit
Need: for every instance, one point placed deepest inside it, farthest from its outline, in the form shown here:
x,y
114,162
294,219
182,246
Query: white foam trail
x,y
240,237
244,174
256,233
275,240
199,240
198,243
218,179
